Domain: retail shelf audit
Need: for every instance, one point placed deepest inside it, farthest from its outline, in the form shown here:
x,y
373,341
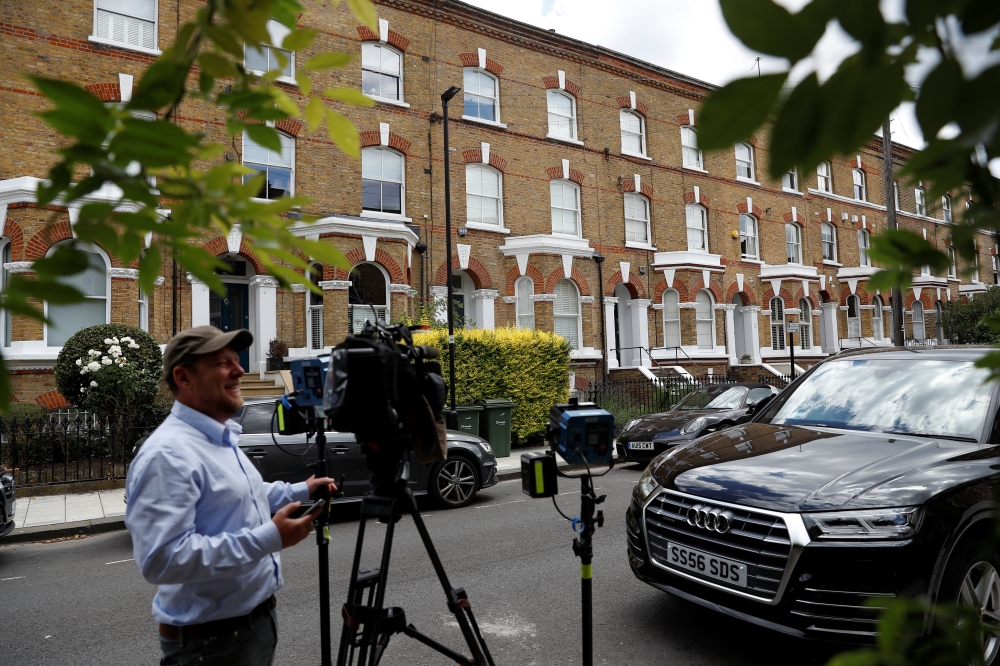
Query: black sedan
x,y
875,475
7,502
707,409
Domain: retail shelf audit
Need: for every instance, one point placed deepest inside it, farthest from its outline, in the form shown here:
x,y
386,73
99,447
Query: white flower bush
x,y
113,355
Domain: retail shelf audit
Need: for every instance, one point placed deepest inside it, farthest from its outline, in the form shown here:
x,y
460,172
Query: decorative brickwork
x,y
786,297
12,232
394,38
289,126
551,82
382,258
625,102
106,92
477,271
634,285
575,275
531,271
756,212
51,400
703,199
374,138
46,238
472,60
475,156
747,295
628,185
218,246
556,173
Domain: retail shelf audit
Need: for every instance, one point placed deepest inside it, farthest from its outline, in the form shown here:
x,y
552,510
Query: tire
x,y
972,578
454,482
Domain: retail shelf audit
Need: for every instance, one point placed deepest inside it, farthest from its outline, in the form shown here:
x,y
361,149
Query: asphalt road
x,y
84,602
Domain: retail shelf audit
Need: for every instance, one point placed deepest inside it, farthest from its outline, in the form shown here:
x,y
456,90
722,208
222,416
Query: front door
x,y
232,312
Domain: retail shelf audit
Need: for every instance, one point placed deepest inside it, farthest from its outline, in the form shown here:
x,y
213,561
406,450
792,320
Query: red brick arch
x,y
218,246
756,212
531,271
475,156
39,244
477,271
382,258
51,399
556,173
552,82
472,60
625,102
366,34
628,185
678,286
575,275
862,295
108,92
634,284
926,298
12,231
747,295
799,295
704,200
374,138
699,284
784,294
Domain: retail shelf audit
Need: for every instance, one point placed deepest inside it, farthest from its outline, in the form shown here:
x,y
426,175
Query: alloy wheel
x,y
456,482
981,591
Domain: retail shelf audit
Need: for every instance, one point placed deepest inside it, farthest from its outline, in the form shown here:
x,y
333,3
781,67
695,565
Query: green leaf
x,y
856,101
49,291
304,81
225,40
217,65
793,139
315,110
284,102
205,83
365,12
81,125
862,19
343,133
264,136
327,253
160,85
733,112
767,27
71,97
6,389
299,39
349,96
328,60
149,268
64,260
938,96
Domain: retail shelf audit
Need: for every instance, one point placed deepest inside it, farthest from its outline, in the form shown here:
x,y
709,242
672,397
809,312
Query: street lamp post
x,y
599,260
452,412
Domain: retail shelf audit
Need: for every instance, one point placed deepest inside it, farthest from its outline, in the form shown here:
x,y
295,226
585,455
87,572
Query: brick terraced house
x,y
560,150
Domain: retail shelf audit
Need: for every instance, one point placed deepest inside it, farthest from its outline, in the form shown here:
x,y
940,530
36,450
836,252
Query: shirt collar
x,y
227,434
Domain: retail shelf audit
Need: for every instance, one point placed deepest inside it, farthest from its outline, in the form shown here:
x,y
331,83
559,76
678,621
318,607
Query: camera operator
x,y
200,514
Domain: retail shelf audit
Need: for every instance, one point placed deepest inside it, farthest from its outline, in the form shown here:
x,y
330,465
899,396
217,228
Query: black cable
x,y
560,510
283,449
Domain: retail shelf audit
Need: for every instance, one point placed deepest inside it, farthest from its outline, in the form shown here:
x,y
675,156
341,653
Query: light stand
x,y
599,260
791,352
452,413
320,524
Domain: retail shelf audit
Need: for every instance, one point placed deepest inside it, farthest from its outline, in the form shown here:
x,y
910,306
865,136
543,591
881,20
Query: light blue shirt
x,y
200,518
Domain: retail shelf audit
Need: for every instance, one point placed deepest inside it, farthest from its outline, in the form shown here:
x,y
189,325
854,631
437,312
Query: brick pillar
x,y
506,312
335,314
24,328
399,297
543,311
591,324
125,296
689,326
292,316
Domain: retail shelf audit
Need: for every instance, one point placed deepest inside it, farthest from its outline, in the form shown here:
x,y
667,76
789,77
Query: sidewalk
x,y
58,516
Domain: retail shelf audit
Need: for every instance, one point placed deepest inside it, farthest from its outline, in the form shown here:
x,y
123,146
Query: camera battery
x,y
538,474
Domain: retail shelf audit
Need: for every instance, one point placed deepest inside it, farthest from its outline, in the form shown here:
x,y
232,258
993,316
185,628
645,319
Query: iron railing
x,y
67,446
778,381
629,398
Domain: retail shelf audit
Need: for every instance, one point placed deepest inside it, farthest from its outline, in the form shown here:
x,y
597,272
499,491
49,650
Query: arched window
x,y
878,330
744,161
946,208
697,228
952,267
566,312
705,320
860,186
482,96
278,167
790,180
94,309
793,243
939,321
919,201
748,237
269,58
777,324
864,244
314,310
562,114
4,285
829,240
824,177
671,319
383,184
143,309
565,202
524,289
805,325
996,270
483,195
633,127
690,152
636,218
853,316
368,296
919,330
381,71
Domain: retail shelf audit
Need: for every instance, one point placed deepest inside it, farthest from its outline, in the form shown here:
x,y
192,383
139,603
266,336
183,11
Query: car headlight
x,y
486,445
866,525
694,426
647,484
630,424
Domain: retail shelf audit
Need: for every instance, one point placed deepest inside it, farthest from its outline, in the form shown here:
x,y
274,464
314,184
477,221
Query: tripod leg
x,y
354,595
371,632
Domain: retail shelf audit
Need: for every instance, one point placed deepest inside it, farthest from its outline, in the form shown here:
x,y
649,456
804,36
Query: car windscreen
x,y
258,419
720,396
912,396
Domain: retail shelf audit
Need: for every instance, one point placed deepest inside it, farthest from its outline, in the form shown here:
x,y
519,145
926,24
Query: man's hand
x,y
292,530
315,483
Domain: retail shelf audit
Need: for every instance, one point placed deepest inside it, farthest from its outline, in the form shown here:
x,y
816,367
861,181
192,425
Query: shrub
x,y
529,368
277,349
965,323
23,413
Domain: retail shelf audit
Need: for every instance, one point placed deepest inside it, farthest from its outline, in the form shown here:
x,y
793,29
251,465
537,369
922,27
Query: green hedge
x,y
966,323
529,368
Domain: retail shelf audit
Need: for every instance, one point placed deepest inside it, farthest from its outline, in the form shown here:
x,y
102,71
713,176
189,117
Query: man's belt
x,y
196,632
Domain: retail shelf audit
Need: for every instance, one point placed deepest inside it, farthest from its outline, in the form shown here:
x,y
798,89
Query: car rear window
x,y
720,396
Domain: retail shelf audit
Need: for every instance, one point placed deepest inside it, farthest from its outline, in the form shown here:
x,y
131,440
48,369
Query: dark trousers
x,y
250,645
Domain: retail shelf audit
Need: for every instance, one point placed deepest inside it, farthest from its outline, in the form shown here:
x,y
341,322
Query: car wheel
x,y
453,483
973,579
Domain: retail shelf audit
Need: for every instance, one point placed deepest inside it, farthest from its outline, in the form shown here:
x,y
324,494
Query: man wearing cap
x,y
200,514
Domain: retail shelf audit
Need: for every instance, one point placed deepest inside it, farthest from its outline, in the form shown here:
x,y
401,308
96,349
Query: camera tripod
x,y
368,626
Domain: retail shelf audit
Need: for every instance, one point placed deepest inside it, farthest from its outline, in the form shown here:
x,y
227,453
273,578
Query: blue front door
x,y
232,312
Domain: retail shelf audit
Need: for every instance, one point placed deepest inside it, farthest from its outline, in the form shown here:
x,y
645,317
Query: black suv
x,y
874,475
7,502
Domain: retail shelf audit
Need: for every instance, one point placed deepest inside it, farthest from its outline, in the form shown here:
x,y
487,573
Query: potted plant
x,y
745,359
277,350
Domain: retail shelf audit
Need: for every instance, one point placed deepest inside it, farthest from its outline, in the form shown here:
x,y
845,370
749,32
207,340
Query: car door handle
x,y
258,454
340,450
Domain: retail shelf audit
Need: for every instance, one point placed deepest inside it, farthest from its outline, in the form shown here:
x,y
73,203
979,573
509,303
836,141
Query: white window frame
x,y
380,98
524,289
474,224
579,216
854,323
830,244
700,230
630,113
777,308
691,155
878,325
368,212
917,315
558,315
277,32
549,95
864,244
805,324
752,178
108,294
860,185
366,309
793,246
291,178
751,230
143,308
791,175
919,201
953,266
996,269
312,309
155,50
6,322
637,222
496,99
946,212
671,318
824,181
703,325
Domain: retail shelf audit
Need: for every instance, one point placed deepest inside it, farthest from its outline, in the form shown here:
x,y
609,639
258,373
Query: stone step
x,y
257,382
262,391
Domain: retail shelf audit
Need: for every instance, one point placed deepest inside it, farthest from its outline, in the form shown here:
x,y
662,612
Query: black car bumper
x,y
830,592
489,474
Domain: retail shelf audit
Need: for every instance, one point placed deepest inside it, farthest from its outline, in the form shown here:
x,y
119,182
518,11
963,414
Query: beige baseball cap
x,y
201,340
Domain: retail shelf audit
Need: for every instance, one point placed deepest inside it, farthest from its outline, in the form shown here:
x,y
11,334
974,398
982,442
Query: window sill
x,y
386,100
267,201
377,215
638,156
693,168
847,200
827,262
749,260
123,45
482,121
479,226
281,79
748,181
556,234
790,191
635,245
563,139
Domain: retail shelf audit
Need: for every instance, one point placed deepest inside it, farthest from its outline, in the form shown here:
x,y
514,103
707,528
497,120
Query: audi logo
x,y
709,518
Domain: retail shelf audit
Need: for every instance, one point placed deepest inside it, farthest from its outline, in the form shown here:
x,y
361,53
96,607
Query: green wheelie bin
x,y
468,417
494,425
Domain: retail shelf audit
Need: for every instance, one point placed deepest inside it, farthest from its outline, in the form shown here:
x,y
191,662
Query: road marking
x,y
120,561
14,578
485,506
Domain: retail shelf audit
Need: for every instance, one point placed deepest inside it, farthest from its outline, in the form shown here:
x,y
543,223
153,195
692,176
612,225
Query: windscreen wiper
x,y
955,438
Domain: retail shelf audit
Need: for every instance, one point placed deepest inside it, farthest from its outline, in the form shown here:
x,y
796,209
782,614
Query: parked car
x,y
874,475
452,483
8,502
704,410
